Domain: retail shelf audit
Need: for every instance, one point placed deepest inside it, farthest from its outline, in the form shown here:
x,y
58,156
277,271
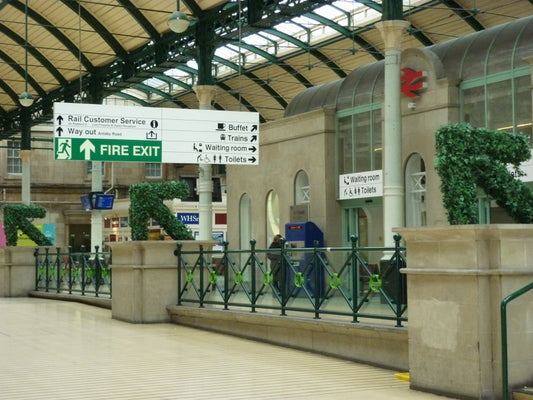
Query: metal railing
x,y
503,310
319,281
79,273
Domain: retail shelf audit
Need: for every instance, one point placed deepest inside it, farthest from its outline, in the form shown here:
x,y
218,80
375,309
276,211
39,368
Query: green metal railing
x,y
503,309
79,273
319,281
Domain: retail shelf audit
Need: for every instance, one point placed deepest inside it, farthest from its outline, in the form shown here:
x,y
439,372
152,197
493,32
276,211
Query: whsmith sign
x,y
160,135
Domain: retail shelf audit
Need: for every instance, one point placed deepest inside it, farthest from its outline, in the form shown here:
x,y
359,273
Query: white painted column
x,y
25,157
206,95
393,182
96,215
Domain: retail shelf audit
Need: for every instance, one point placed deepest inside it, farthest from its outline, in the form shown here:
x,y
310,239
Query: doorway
x,y
80,235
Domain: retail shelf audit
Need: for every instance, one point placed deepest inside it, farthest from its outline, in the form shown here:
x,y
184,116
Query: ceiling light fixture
x,y
178,21
25,98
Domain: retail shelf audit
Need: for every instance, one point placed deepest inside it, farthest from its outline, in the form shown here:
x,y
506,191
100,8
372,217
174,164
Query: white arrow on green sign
x,y
107,150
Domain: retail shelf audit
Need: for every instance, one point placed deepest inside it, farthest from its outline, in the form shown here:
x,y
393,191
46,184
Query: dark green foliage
x,y
469,158
146,200
17,216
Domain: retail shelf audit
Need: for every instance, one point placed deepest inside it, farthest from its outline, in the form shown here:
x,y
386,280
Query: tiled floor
x,y
51,349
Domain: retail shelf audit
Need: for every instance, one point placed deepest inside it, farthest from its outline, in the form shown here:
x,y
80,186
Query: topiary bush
x,y
18,216
146,200
468,158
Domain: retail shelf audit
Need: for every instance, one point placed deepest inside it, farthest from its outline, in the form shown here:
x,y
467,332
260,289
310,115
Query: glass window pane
x,y
14,163
301,189
500,106
474,63
523,106
344,145
152,170
473,103
362,142
377,147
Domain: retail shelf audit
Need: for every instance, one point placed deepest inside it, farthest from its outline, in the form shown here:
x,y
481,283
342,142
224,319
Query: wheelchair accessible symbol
x,y
64,149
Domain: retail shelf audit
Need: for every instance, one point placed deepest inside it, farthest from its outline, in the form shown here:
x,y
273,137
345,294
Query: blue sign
x,y
189,218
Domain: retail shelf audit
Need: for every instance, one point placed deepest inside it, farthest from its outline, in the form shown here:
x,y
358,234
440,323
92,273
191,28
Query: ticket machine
x,y
303,235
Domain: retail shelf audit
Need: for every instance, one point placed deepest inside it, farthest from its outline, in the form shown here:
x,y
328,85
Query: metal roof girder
x,y
254,78
316,53
60,36
97,26
35,53
140,18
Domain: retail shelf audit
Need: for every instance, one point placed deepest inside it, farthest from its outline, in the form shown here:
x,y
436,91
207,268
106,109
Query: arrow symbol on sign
x,y
87,147
254,138
252,149
254,128
59,119
151,135
59,131
252,159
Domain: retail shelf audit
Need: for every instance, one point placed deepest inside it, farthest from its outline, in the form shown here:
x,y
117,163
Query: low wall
x,y
377,345
456,279
145,278
17,271
145,291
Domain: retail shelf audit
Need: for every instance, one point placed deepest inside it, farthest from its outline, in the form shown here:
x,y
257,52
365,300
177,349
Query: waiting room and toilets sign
x,y
361,185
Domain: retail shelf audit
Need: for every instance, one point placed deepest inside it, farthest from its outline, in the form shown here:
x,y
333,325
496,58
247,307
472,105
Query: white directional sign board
x,y
361,185
146,134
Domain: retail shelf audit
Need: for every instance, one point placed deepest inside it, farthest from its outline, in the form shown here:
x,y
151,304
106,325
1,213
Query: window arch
x,y
272,216
302,193
245,221
415,191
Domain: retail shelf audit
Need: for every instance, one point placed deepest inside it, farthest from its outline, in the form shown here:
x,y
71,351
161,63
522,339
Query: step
x,y
525,393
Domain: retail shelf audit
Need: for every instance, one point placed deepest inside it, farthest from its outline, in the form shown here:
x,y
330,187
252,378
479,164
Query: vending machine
x,y
301,272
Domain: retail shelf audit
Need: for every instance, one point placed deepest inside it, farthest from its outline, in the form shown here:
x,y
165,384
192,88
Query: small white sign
x,y
526,167
361,185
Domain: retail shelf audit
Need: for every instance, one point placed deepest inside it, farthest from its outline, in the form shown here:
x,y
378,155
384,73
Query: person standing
x,y
275,261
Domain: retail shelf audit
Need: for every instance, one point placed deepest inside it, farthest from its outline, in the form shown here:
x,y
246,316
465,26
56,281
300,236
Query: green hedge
x,y
468,158
146,200
18,216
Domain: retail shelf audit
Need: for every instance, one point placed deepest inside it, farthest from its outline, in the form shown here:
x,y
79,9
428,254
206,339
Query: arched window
x,y
415,191
245,221
302,194
272,216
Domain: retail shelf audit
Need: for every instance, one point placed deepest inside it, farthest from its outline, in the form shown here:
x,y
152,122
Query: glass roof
x,y
282,39
491,51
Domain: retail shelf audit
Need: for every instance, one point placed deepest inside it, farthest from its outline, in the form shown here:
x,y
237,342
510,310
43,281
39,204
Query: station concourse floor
x,y
51,349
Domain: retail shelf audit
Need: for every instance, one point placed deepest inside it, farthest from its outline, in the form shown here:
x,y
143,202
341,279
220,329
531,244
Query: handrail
x,y
503,307
335,281
81,273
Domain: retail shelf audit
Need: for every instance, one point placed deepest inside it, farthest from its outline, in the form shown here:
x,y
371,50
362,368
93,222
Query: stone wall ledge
x,y
471,272
158,266
362,342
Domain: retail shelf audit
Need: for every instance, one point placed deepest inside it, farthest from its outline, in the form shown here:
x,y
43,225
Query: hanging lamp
x,y
178,21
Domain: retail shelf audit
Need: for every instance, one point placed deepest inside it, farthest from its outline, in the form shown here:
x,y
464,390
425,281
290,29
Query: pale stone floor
x,y
50,349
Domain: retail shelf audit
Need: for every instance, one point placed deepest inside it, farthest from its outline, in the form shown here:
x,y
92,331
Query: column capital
x,y
206,95
391,32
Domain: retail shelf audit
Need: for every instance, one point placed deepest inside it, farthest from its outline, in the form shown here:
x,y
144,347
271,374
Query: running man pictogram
x,y
63,146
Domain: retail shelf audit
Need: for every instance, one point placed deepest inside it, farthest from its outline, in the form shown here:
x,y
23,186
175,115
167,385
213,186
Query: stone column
x,y
393,185
206,95
457,278
25,157
96,215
